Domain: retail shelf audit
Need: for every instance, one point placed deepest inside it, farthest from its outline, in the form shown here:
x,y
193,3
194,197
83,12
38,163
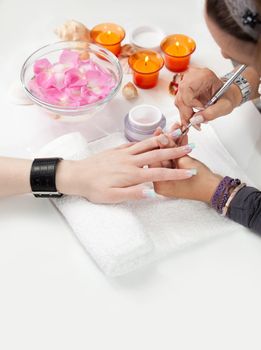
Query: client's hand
x,y
201,187
116,175
196,89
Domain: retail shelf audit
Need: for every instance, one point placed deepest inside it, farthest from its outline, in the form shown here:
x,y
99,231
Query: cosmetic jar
x,y
142,121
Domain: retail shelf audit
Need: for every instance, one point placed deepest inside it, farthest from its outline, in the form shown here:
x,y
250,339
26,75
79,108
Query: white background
x,y
52,296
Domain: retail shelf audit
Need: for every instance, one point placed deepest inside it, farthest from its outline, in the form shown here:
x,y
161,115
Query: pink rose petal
x,y
70,57
41,65
45,79
71,82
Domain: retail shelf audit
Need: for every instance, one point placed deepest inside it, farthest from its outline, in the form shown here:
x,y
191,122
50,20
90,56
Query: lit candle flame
x,y
146,60
109,32
177,43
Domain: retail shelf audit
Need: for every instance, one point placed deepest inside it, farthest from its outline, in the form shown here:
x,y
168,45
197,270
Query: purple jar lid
x,y
142,121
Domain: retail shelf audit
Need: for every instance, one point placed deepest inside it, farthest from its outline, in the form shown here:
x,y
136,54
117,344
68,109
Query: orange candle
x,y
146,66
108,35
177,50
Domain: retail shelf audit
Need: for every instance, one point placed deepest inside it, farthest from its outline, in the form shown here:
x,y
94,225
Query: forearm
x,y
14,176
245,208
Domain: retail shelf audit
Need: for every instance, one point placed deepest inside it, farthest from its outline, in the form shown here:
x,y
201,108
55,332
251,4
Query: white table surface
x,y
52,296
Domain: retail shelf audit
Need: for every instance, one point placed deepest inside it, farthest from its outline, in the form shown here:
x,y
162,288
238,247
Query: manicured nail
x,y
163,139
197,127
198,119
158,131
176,133
192,172
149,193
190,146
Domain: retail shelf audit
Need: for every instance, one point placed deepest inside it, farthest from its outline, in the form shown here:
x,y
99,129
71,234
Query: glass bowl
x,y
101,56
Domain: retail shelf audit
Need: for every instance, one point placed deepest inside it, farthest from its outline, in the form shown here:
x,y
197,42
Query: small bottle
x,y
142,121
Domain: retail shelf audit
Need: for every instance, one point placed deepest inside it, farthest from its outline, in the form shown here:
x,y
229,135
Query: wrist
x,y
65,177
23,176
211,186
235,95
72,178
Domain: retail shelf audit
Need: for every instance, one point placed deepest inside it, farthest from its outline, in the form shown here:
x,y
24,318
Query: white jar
x,y
142,121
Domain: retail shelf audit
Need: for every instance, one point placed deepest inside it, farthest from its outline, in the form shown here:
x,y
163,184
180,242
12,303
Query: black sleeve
x,y
245,208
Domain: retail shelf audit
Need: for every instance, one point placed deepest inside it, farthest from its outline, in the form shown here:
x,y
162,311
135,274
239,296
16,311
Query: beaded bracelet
x,y
222,193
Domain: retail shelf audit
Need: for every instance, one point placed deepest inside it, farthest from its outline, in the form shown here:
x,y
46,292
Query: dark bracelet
x,y
42,177
222,193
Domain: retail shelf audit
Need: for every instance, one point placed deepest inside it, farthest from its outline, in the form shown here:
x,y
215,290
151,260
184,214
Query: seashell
x,y
130,91
84,55
174,84
127,50
73,30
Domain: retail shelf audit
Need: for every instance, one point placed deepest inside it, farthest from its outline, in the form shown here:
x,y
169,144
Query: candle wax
x,y
177,50
143,66
108,38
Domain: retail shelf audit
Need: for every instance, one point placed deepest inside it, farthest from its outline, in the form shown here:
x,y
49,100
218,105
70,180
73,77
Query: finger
x,y
149,144
161,155
185,111
196,121
175,134
162,174
131,193
189,97
182,140
166,163
125,145
220,108
175,126
158,131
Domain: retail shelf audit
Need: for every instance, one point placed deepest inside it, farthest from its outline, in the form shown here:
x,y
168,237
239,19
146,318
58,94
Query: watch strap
x,y
42,177
242,84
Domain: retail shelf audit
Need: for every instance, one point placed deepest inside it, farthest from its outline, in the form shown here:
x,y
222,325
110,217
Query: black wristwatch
x,y
42,177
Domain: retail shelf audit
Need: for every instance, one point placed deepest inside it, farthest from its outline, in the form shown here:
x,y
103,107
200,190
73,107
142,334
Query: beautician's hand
x,y
196,89
201,187
116,175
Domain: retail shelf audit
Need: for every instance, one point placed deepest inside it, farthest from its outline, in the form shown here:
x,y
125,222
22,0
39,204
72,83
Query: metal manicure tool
x,y
220,92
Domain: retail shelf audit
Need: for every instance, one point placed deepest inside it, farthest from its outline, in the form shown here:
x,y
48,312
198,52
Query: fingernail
x,y
197,127
163,139
190,146
198,119
176,133
192,172
149,193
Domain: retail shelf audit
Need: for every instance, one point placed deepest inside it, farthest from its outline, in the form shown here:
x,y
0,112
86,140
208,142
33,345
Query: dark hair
x,y
217,10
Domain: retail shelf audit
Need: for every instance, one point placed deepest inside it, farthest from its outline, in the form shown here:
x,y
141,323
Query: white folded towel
x,y
123,237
